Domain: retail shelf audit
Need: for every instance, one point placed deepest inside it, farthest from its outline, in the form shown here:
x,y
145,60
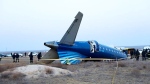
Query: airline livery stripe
x,y
82,59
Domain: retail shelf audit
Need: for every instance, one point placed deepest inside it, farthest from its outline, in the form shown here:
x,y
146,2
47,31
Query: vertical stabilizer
x,y
71,33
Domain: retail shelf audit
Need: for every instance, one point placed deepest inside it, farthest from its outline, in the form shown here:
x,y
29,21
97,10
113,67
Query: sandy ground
x,y
37,71
127,72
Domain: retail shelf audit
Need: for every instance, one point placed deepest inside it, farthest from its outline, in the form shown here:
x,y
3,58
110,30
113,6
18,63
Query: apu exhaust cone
x,y
50,56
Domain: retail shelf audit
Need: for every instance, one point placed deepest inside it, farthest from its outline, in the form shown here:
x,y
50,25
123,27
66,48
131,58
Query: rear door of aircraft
x,y
94,46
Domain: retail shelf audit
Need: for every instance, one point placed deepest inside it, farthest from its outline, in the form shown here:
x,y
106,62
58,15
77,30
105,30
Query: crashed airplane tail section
x,y
68,39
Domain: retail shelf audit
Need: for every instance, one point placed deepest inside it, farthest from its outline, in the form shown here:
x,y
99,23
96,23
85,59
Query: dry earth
x,y
128,72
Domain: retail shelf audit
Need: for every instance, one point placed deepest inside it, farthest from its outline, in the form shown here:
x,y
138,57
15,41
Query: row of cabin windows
x,y
110,50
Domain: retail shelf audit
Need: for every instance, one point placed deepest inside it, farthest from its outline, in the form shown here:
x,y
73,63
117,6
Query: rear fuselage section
x,y
86,49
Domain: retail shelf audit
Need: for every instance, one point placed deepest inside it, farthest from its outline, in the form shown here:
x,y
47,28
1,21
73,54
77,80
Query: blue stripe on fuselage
x,y
83,47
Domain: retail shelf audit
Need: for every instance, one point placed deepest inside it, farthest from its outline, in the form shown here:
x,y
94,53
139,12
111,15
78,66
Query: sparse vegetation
x,y
121,64
17,75
6,74
10,66
12,75
129,72
136,73
48,70
97,65
144,67
59,65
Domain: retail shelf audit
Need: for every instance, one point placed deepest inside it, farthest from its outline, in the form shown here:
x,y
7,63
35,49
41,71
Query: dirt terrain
x,y
100,72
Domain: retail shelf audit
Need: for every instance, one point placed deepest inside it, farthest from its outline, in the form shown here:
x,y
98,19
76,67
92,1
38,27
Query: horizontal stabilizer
x,y
51,54
71,33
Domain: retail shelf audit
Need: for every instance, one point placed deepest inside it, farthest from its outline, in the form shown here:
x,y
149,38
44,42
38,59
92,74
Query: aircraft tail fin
x,y
71,33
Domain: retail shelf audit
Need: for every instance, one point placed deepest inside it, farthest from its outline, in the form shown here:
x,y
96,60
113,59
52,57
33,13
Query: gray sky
x,y
27,24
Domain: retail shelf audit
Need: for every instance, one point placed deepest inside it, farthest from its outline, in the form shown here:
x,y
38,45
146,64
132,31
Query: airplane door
x,y
94,47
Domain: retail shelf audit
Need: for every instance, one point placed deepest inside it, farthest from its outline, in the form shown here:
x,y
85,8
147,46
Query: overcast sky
x,y
27,24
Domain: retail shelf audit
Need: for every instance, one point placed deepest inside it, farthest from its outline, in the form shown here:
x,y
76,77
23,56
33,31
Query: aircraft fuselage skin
x,y
83,47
